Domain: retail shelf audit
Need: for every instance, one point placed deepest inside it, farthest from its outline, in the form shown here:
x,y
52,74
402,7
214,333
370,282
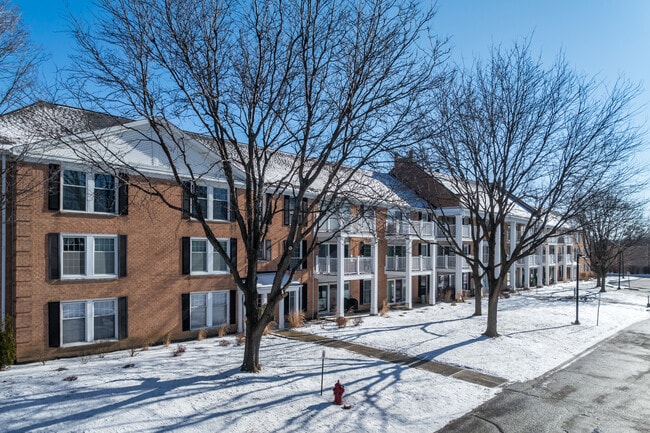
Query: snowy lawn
x,y
535,325
203,389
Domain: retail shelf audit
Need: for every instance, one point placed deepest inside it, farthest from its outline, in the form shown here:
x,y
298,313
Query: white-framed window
x,y
88,256
88,321
88,192
214,203
204,259
209,309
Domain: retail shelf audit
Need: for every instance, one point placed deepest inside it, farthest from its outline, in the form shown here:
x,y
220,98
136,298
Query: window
x,y
213,203
208,309
88,321
77,262
265,251
291,206
87,192
205,259
366,291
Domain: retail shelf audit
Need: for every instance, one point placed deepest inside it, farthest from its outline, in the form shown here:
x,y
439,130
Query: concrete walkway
x,y
396,358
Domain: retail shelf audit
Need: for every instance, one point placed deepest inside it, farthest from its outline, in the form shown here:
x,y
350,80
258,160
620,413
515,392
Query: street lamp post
x,y
577,322
620,266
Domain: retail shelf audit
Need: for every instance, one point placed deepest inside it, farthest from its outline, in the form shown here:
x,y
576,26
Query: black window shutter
x,y
286,211
122,318
233,251
54,187
185,256
185,311
233,307
121,259
233,207
53,260
304,297
304,254
54,323
269,207
185,205
304,208
361,298
123,194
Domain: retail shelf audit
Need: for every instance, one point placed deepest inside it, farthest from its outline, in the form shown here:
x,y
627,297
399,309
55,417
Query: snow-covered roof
x,y
43,120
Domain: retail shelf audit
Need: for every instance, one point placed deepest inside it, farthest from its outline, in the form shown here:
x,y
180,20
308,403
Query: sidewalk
x,y
396,358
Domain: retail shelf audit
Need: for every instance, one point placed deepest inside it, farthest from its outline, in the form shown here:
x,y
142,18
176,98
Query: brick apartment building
x,y
92,260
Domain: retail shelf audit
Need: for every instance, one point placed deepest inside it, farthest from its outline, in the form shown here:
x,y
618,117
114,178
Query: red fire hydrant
x,y
338,393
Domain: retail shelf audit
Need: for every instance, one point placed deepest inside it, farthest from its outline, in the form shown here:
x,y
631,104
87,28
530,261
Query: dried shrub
x,y
222,331
180,349
385,308
269,326
240,339
202,334
341,322
296,319
446,296
358,321
167,339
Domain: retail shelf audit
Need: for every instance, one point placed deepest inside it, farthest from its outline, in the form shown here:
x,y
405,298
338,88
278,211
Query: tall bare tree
x,y
513,138
295,97
612,224
18,59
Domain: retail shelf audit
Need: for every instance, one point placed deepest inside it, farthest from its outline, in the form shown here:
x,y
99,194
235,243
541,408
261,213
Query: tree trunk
x,y
493,302
478,295
254,332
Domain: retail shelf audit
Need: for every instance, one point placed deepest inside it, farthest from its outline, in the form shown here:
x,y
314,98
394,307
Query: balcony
x,y
418,263
345,225
423,229
351,265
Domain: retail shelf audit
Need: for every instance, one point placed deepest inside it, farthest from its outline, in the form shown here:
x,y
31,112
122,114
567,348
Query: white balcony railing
x,y
395,263
351,265
418,263
424,229
422,263
336,223
466,231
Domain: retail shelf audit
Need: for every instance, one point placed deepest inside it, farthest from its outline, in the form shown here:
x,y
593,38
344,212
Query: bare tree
x,y
518,143
610,226
18,59
289,97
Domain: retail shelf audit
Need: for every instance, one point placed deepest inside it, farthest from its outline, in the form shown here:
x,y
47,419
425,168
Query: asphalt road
x,y
605,391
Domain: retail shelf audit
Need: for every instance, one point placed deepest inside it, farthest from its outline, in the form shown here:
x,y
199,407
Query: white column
x,y
433,283
340,282
240,311
459,259
373,281
409,274
497,253
513,268
281,314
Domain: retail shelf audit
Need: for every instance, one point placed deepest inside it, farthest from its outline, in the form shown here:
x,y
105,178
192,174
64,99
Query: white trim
x,y
89,315
208,311
89,253
210,252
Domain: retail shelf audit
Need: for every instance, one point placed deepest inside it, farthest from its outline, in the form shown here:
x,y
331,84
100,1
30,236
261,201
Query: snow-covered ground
x,y
203,389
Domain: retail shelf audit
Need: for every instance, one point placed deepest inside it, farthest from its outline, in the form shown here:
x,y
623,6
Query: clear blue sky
x,y
601,38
